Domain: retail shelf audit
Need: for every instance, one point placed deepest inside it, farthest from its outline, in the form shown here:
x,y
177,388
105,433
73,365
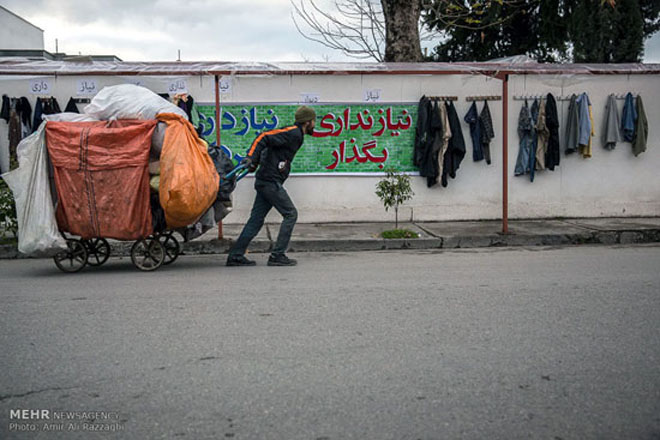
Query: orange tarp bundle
x,y
102,178
188,178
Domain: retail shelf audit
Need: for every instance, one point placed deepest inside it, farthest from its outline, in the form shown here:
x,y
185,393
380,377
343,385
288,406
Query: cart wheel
x,y
172,247
73,259
147,254
98,251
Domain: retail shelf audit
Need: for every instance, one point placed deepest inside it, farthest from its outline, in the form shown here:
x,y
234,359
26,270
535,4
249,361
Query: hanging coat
x,y
586,126
572,126
445,136
71,106
552,122
456,148
641,129
628,119
38,112
611,133
431,161
487,133
472,118
543,134
525,133
4,112
422,130
535,139
15,136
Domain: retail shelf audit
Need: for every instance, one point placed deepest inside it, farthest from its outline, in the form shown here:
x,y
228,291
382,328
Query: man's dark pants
x,y
269,195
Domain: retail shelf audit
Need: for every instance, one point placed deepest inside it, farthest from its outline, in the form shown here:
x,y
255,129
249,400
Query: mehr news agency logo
x,y
46,420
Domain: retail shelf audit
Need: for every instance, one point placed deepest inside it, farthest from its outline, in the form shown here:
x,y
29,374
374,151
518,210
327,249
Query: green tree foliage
x,y
8,220
594,31
394,190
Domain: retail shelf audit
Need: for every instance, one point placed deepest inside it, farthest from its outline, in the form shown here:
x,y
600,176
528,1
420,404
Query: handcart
x,y
101,180
147,254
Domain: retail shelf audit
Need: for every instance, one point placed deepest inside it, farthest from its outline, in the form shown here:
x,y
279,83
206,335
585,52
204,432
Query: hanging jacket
x,y
38,112
543,134
586,127
71,106
552,122
445,137
611,133
641,129
15,136
456,148
628,119
51,106
572,126
487,132
525,133
4,112
190,103
430,165
44,106
535,139
472,118
587,153
422,130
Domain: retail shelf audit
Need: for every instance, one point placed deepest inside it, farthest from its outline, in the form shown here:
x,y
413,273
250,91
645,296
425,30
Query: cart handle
x,y
239,170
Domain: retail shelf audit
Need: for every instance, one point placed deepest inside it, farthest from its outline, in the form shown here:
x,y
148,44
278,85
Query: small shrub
x,y
8,221
394,190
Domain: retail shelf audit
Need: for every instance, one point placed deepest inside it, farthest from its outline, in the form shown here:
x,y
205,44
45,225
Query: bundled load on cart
x,y
133,168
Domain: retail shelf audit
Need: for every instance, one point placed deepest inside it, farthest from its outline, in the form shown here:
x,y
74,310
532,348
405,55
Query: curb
x,y
215,246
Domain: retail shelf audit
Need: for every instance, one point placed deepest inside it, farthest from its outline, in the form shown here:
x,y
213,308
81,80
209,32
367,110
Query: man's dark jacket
x,y
274,150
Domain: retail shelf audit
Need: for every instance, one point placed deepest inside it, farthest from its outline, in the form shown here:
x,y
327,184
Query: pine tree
x,y
581,31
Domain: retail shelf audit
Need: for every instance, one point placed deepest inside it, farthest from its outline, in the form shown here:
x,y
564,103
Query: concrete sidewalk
x,y
345,237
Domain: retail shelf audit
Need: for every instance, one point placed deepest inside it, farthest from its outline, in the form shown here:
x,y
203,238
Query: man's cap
x,y
304,114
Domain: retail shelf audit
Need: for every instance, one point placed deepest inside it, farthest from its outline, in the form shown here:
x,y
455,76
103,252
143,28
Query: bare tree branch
x,y
356,27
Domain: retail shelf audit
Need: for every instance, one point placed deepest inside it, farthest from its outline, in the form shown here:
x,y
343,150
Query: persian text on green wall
x,y
348,138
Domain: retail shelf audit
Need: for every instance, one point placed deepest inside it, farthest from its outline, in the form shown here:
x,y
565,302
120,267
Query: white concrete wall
x,y
16,33
611,183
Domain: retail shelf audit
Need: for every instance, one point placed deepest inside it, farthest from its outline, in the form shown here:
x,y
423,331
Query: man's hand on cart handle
x,y
249,164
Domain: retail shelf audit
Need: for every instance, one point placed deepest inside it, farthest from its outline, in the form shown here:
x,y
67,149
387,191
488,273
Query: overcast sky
x,y
153,30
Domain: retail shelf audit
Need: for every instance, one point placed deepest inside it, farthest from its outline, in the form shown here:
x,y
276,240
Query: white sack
x,y
128,101
37,227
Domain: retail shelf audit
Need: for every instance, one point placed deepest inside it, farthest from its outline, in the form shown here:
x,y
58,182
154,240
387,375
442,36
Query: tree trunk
x,y
396,217
401,30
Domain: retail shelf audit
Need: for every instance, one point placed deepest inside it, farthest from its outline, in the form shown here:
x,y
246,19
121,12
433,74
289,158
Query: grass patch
x,y
399,233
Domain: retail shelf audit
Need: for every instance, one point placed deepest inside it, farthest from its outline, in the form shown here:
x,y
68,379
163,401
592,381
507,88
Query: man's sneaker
x,y
239,260
281,260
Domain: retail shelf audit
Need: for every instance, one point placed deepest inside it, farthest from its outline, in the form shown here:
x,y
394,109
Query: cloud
x,y
154,30
652,49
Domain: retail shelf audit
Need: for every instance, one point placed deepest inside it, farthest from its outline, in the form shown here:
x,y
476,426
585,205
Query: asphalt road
x,y
500,344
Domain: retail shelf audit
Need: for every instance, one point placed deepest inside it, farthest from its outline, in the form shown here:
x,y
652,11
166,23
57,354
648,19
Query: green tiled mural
x,y
348,138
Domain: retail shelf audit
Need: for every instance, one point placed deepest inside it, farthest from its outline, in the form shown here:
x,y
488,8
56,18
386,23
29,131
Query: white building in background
x,y
17,33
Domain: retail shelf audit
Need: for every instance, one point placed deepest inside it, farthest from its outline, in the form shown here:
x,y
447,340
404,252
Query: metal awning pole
x,y
217,133
505,154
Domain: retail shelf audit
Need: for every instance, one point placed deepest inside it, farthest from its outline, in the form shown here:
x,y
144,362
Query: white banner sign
x,y
40,87
309,98
86,87
177,86
372,95
225,85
